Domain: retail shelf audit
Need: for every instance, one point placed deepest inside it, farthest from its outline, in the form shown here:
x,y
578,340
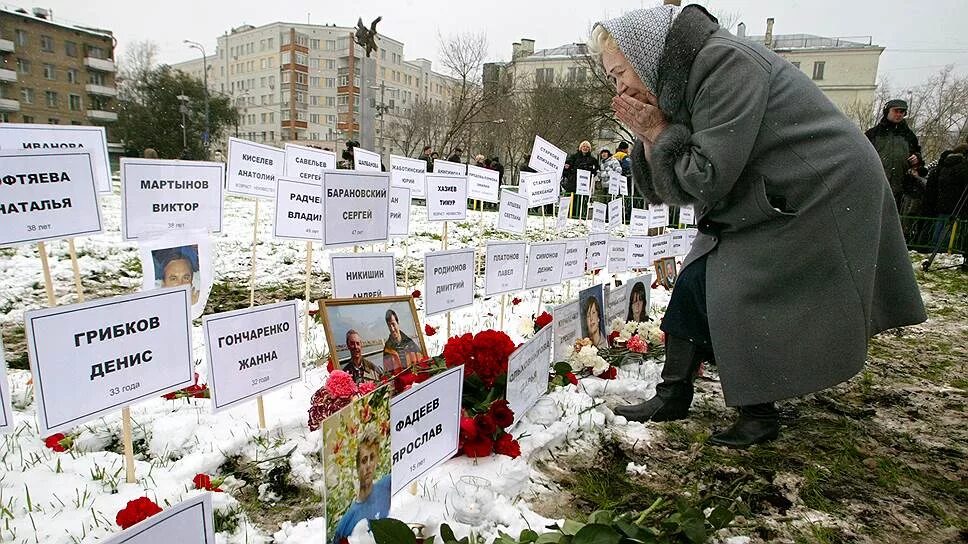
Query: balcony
x,y
101,115
8,105
102,65
8,76
100,90
6,46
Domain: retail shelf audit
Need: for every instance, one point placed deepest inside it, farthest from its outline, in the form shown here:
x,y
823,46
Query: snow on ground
x,y
74,496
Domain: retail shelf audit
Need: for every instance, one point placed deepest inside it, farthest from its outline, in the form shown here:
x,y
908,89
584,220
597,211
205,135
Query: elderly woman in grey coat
x,y
800,257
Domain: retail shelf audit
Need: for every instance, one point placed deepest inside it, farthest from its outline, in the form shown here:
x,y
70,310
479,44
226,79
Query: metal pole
x,y
206,137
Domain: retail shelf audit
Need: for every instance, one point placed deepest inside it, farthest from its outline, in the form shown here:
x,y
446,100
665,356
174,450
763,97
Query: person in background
x,y
609,166
945,187
150,153
218,156
427,155
581,159
479,161
455,155
434,156
898,148
784,302
526,165
496,165
622,156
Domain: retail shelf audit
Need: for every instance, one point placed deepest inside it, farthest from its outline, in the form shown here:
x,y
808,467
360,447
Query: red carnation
x,y
404,381
485,424
502,414
429,331
609,374
507,445
137,510
570,376
54,442
542,320
515,301
459,350
468,428
491,351
416,293
204,481
481,446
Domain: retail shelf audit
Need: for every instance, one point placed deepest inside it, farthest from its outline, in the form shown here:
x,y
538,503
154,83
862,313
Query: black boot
x,y
757,423
673,395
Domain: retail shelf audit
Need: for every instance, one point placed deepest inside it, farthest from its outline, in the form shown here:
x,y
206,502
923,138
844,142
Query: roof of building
x,y
20,12
566,51
812,41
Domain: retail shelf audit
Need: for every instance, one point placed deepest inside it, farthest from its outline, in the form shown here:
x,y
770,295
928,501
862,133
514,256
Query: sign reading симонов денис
x,y
251,351
92,358
47,195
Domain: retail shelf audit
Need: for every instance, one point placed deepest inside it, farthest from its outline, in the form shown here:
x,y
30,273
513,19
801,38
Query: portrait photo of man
x,y
358,366
399,350
372,499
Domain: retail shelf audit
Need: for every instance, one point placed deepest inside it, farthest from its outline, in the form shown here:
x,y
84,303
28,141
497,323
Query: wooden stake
x,y
48,283
77,270
448,324
406,269
445,236
255,240
128,445
262,412
309,275
540,296
503,304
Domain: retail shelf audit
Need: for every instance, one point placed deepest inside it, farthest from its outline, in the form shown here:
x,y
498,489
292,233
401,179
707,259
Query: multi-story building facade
x,y
54,73
311,84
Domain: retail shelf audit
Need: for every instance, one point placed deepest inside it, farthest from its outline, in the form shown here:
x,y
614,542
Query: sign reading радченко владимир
x,y
426,426
161,195
47,195
251,351
61,138
356,207
253,169
92,358
299,210
449,280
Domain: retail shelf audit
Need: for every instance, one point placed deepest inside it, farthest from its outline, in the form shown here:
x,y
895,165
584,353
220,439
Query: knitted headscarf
x,y
641,36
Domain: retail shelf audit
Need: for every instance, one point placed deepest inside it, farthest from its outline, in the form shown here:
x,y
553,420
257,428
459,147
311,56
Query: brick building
x,y
54,73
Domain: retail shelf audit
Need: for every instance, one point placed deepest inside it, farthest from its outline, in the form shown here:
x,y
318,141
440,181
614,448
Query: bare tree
x,y
938,111
463,57
138,61
867,113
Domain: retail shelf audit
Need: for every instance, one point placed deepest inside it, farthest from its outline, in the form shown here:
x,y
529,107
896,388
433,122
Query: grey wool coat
x,y
806,259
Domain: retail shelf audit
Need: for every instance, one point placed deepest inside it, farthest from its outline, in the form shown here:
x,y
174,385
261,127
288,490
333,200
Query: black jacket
x,y
576,161
885,127
946,184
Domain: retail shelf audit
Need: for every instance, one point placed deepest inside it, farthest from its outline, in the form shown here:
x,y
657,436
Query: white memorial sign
x,y
566,328
355,207
623,185
47,196
504,267
189,522
616,213
597,251
691,239
366,160
447,168
614,184
96,357
449,280
564,206
528,372
161,195
35,137
425,428
583,182
399,211
446,197
6,415
251,351
545,157
253,169
512,213
661,246
307,163
687,215
363,275
574,263
618,255
677,243
545,261
658,215
639,222
542,188
299,210
408,173
599,211
639,252
482,183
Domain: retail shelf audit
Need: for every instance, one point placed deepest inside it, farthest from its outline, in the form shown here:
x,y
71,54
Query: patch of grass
x,y
295,503
15,347
234,294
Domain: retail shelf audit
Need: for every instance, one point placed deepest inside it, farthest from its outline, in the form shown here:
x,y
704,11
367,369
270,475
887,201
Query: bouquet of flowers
x,y
332,397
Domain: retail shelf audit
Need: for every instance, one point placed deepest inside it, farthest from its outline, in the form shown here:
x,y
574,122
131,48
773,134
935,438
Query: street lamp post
x,y
183,108
195,45
381,109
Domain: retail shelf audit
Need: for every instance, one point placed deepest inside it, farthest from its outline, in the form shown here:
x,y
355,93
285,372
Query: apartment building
x,y
311,84
53,73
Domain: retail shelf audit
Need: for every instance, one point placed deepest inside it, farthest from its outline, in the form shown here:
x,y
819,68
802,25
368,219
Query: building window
x,y
330,45
98,102
21,38
27,96
49,71
315,81
330,64
576,74
72,75
95,52
331,101
28,118
70,48
47,44
23,66
796,64
818,70
544,75
4,117
53,121
331,82
51,98
314,44
75,102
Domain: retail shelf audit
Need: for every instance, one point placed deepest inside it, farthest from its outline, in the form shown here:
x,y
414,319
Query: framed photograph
x,y
372,337
357,464
670,271
638,299
591,304
171,259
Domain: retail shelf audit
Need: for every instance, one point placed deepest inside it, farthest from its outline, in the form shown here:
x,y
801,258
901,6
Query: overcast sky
x,y
921,37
